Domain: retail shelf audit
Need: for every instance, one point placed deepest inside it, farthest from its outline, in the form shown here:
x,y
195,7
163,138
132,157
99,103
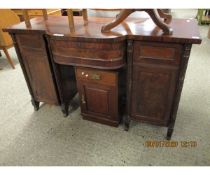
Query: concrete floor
x,y
46,138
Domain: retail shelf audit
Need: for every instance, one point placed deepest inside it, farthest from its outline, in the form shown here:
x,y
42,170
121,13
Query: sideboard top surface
x,y
184,30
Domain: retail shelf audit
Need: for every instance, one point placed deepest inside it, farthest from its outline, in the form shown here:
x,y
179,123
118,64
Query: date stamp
x,y
170,144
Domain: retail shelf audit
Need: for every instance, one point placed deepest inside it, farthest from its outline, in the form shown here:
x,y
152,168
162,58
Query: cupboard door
x,y
153,89
98,91
99,102
154,72
36,63
40,77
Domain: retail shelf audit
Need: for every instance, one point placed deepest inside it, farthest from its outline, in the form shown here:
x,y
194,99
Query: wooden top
x,y
184,30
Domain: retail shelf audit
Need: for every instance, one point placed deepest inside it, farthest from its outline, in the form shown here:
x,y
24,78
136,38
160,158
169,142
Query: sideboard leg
x,y
126,123
183,67
169,133
170,130
65,109
35,104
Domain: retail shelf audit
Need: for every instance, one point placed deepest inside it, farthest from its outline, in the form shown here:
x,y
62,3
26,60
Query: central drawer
x,y
94,54
97,76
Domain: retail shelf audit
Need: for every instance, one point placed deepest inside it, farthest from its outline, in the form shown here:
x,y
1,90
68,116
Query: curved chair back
x,y
7,18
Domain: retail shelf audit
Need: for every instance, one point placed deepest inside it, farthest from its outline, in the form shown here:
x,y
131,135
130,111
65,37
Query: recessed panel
x,y
97,100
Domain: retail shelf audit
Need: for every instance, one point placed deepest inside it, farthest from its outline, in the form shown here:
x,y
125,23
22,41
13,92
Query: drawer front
x,y
150,52
108,55
87,49
97,76
34,41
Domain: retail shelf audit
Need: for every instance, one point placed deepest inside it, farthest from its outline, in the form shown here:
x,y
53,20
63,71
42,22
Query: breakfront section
x,y
154,73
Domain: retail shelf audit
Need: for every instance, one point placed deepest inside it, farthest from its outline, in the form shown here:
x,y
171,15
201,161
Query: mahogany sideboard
x,y
134,65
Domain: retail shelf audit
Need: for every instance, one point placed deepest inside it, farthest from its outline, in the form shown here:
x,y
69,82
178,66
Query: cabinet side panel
x,y
35,60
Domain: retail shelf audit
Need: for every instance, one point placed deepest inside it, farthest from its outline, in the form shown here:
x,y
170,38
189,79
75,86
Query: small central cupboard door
x,y
98,95
98,100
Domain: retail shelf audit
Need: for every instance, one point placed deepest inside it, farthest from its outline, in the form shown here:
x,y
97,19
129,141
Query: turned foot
x,y
169,133
65,110
35,104
126,124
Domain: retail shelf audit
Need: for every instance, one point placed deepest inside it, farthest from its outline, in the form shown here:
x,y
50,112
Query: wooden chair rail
x,y
69,13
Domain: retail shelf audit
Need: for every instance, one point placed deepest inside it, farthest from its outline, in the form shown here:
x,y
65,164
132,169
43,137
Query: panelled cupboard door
x,y
35,60
154,83
152,93
98,91
98,100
